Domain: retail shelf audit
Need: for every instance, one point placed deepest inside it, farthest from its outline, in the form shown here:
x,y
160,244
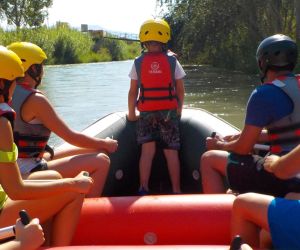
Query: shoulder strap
x,y
138,65
172,61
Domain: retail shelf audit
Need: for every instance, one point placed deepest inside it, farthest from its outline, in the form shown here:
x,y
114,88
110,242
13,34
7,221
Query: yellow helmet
x,y
10,65
155,30
29,53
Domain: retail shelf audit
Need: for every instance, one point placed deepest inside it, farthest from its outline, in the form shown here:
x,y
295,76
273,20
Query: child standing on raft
x,y
157,91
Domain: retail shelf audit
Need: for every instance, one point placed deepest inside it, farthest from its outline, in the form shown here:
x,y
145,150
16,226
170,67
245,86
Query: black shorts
x,y
245,173
41,166
161,126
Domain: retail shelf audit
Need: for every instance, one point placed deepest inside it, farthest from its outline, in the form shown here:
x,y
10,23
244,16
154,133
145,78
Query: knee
x,y
240,203
206,159
103,159
54,175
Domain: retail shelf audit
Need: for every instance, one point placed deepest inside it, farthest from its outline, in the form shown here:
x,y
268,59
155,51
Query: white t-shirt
x,y
179,72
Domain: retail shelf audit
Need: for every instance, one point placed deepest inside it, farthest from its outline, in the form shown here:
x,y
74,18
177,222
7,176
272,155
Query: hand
x,y
270,162
213,143
132,117
30,236
111,145
82,183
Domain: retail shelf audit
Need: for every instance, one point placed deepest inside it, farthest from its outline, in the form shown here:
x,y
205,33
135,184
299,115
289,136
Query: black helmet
x,y
278,52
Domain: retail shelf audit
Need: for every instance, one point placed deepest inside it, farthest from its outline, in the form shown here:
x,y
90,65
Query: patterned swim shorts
x,y
161,126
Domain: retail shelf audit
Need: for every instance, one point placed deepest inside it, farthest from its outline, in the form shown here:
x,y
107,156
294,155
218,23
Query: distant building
x,y
84,28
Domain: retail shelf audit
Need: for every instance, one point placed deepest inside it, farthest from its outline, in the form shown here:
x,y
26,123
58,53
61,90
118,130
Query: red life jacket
x,y
284,135
156,79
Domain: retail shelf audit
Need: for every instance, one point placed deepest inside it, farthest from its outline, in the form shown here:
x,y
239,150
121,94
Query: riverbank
x,y
65,45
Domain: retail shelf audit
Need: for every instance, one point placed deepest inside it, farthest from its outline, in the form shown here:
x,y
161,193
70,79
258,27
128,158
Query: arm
x,y
180,94
256,119
264,137
17,189
132,97
13,185
286,166
38,106
242,144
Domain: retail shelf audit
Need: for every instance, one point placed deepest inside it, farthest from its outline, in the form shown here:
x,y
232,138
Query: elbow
x,y
283,171
282,174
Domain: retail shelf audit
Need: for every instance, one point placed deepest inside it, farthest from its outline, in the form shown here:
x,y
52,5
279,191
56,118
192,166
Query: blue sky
x,y
114,15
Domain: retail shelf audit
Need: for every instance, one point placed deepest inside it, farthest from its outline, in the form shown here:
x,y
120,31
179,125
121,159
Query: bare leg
x,y
46,175
64,209
213,169
265,240
249,216
96,164
148,151
293,196
174,168
71,150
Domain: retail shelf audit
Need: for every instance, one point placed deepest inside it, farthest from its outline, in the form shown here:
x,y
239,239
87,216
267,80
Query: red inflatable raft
x,y
121,220
163,221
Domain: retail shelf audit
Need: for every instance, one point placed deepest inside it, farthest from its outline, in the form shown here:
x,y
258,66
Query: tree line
x,y
219,33
227,33
25,13
62,43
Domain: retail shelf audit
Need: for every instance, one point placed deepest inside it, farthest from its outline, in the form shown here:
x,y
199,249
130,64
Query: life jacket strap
x,y
170,96
160,98
284,129
284,140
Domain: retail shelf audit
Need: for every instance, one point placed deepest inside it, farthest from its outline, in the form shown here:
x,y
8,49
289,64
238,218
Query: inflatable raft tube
x,y
158,220
123,178
171,247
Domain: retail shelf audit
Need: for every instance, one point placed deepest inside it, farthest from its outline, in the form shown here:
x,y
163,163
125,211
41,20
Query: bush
x,y
64,45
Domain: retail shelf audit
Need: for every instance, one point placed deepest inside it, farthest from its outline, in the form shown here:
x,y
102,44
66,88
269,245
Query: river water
x,y
83,93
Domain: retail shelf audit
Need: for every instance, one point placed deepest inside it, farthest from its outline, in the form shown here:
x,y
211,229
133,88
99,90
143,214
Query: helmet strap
x,y
35,72
263,75
5,90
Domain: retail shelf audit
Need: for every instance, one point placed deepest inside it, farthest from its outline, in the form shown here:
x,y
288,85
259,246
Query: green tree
x,y
226,33
30,13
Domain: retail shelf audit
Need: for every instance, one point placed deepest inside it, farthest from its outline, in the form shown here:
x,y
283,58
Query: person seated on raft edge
x,y
279,217
160,104
36,119
57,200
273,105
29,237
